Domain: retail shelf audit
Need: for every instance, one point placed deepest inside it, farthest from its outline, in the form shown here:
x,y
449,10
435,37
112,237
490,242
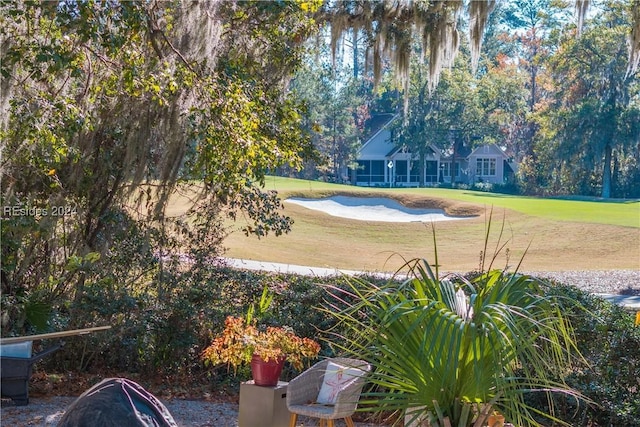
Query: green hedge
x,y
152,334
164,334
610,343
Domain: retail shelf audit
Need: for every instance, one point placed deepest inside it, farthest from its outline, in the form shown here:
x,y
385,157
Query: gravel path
x,y
619,282
45,412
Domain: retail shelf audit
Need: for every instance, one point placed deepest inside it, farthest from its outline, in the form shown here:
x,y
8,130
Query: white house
x,y
489,163
383,164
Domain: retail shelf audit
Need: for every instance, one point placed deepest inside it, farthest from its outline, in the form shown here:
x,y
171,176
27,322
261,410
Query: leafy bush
x,y
607,338
165,334
153,333
451,351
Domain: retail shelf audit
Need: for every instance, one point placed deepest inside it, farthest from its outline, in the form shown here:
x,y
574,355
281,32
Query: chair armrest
x,y
304,388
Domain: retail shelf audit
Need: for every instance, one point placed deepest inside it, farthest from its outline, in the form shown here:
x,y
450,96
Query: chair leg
x,y
349,422
293,419
330,423
322,422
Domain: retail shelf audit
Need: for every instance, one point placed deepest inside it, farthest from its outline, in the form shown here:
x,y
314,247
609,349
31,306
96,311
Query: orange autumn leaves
x,y
240,341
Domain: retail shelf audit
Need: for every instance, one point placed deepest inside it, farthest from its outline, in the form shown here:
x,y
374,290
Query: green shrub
x,y
153,333
608,339
164,334
450,351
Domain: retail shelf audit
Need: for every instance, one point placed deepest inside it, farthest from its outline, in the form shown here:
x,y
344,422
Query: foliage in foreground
x,y
609,341
108,110
154,337
452,351
241,340
152,334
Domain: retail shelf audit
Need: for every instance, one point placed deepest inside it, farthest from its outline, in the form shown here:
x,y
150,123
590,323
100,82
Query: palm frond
x,y
455,347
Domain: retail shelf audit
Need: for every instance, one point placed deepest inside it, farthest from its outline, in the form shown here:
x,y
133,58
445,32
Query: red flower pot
x,y
266,373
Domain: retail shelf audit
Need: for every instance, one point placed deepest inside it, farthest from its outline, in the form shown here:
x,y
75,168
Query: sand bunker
x,y
372,209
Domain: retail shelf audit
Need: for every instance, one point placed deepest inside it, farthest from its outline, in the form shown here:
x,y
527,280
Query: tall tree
x,y
391,27
531,22
336,109
465,111
446,118
594,117
105,104
502,107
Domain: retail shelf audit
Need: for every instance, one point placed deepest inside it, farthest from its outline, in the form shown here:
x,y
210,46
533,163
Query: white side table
x,y
263,406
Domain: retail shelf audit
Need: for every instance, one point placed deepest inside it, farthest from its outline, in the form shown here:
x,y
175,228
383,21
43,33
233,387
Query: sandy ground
x,y
372,209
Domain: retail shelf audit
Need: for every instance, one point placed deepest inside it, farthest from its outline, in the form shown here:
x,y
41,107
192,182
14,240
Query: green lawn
x,y
547,234
625,213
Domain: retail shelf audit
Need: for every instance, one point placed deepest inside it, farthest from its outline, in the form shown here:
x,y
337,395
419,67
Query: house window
x,y
446,169
485,167
431,171
401,171
364,170
415,172
370,171
377,170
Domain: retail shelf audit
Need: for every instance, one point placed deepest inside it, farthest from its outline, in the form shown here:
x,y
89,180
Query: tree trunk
x,y
422,170
606,173
356,70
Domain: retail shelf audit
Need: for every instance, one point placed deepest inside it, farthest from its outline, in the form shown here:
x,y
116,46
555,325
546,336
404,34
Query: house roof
x,y
488,149
375,123
379,143
431,147
393,151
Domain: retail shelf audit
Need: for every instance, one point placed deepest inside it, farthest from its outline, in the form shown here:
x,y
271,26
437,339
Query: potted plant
x,y
266,350
451,351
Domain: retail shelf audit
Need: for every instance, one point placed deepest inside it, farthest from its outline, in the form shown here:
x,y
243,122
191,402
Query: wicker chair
x,y
303,390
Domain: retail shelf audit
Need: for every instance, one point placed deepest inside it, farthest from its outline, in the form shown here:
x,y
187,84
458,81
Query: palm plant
x,y
448,352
